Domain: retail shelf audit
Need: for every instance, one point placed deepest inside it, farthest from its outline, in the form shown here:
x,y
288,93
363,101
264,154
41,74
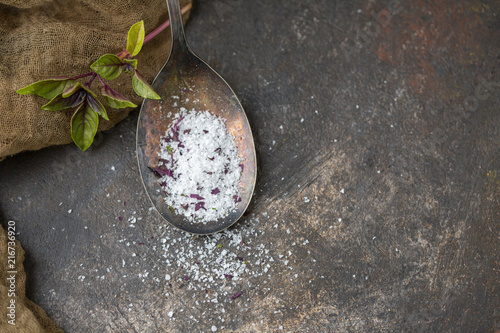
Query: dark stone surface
x,y
377,132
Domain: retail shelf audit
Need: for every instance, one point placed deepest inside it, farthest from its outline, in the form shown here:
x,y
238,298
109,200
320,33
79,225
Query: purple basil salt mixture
x,y
199,167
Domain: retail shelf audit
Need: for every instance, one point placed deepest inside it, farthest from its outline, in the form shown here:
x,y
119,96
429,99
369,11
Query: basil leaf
x,y
114,99
142,87
135,38
132,62
72,89
61,103
84,126
97,106
48,88
108,66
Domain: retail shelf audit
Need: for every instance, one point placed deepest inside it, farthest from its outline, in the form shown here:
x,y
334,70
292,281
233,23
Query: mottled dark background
x,y
376,125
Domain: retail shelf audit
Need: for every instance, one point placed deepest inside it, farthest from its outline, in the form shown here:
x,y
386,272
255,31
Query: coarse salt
x,y
199,167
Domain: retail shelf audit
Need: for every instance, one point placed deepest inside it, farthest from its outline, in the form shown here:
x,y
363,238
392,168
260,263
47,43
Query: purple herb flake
x,y
236,295
215,191
239,258
241,166
199,205
196,196
120,218
186,278
236,199
162,171
228,276
141,243
205,131
186,206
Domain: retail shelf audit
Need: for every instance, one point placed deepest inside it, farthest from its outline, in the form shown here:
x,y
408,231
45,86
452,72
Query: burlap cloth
x,y
40,39
29,317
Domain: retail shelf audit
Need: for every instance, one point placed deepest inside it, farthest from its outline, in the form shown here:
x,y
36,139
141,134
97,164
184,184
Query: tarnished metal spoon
x,y
200,88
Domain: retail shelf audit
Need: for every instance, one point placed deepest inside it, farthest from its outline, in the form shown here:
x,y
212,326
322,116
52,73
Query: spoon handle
x,y
178,37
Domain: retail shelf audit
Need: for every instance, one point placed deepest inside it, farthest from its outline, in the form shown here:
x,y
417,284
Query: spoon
x,y
199,87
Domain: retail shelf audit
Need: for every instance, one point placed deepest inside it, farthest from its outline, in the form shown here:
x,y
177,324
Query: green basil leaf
x,y
48,88
114,99
108,66
142,87
97,106
61,103
84,126
135,38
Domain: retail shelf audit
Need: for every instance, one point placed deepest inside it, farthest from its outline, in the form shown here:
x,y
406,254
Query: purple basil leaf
x,y
97,106
60,103
114,99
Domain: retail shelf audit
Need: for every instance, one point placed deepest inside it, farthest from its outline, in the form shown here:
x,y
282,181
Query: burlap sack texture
x,y
29,317
40,39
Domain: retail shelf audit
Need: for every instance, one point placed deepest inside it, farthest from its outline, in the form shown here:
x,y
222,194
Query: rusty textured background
x,y
377,132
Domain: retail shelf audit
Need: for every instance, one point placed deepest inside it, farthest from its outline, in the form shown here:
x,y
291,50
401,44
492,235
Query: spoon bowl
x,y
186,80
